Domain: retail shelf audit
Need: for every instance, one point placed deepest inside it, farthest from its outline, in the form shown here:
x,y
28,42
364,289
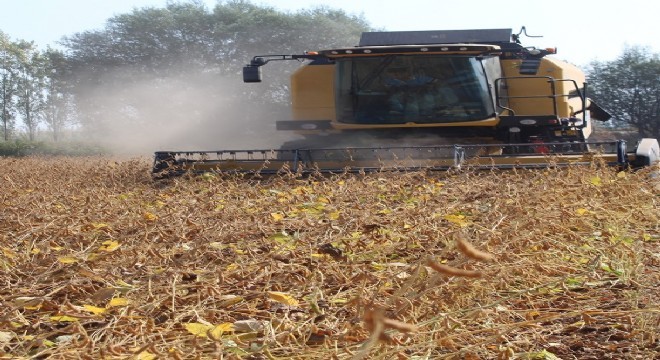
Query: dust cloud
x,y
187,111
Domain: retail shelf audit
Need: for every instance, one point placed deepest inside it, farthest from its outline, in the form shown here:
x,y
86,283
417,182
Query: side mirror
x,y
252,74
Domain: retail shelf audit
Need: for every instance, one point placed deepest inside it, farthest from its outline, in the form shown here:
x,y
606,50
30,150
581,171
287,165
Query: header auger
x,y
427,100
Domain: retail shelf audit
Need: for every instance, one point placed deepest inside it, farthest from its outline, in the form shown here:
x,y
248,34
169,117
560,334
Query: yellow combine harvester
x,y
427,99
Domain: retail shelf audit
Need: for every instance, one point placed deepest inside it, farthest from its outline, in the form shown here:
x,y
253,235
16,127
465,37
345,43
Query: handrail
x,y
553,93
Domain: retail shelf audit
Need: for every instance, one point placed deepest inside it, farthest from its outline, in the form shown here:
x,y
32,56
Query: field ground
x,y
99,261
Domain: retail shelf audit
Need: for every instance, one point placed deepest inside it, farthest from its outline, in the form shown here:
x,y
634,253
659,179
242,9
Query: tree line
x,y
94,80
629,87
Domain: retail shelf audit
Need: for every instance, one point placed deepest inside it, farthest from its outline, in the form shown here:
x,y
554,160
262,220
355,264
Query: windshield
x,y
420,89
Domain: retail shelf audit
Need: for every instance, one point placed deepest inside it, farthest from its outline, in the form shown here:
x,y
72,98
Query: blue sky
x,y
582,30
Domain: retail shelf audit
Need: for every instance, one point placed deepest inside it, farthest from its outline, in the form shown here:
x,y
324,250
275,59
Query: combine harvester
x,y
427,100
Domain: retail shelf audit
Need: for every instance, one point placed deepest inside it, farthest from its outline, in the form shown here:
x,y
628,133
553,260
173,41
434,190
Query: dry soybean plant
x,y
100,261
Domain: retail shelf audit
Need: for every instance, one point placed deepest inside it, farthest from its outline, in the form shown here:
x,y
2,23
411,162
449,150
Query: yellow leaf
x,y
217,245
94,309
533,314
48,343
67,259
541,355
123,284
621,175
145,355
229,300
64,318
313,209
32,305
197,329
596,181
581,211
339,301
149,216
456,219
283,298
118,302
158,271
277,216
100,226
35,251
301,190
110,245
282,238
333,215
218,330
208,176
93,257
6,336
356,234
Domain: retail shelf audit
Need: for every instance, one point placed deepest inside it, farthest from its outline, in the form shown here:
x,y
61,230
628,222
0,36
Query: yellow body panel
x,y
312,93
523,88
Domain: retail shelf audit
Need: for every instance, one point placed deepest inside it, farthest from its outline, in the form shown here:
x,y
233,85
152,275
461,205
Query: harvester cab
x,y
427,99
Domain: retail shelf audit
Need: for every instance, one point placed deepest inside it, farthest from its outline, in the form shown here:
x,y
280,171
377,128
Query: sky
x,y
581,30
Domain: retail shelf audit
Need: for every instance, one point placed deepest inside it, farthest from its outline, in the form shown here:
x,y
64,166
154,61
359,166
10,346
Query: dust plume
x,y
185,111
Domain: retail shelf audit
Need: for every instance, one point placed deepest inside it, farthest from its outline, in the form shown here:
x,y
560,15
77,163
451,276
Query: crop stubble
x,y
98,260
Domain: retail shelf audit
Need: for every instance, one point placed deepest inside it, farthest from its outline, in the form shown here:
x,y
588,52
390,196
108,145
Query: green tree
x,y
31,89
10,59
629,88
58,105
